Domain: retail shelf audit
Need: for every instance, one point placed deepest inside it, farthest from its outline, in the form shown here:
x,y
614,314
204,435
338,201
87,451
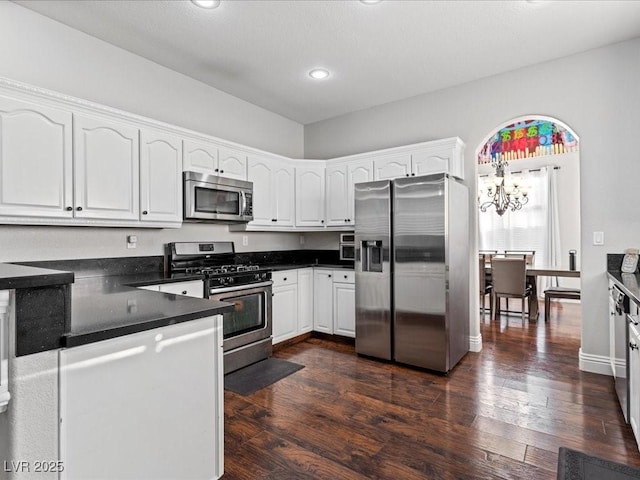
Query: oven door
x,y
215,201
250,321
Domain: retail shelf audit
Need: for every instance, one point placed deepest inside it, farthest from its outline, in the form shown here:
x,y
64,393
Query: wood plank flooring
x,y
501,413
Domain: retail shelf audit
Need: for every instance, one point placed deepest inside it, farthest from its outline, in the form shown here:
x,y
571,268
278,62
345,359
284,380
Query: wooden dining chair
x,y
509,276
485,286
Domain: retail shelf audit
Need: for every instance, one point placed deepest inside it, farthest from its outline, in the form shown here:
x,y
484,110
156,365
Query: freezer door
x,y
420,276
373,268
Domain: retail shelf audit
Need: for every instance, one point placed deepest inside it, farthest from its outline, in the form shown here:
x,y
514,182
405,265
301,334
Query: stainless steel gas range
x,y
248,329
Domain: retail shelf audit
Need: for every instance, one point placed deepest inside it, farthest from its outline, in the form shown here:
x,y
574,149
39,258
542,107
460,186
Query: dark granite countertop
x,y
628,283
108,307
97,299
19,276
56,309
277,267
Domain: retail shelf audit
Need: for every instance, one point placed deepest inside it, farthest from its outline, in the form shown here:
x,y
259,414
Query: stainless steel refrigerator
x,y
412,270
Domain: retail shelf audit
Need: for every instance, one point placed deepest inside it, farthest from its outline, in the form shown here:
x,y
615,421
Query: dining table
x,y
535,271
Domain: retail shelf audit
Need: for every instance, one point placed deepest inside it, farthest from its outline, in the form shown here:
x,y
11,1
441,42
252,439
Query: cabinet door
x,y
634,381
146,405
284,194
106,169
260,172
36,176
337,206
200,157
305,300
160,177
428,162
344,309
358,173
232,163
310,196
322,301
388,168
285,312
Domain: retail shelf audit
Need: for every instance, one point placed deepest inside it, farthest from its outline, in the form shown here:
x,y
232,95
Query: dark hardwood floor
x,y
501,413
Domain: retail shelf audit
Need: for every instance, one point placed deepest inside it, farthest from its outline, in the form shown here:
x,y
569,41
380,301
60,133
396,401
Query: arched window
x,y
531,137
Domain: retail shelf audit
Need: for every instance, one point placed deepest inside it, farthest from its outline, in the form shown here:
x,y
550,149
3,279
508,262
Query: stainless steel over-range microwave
x,y
213,198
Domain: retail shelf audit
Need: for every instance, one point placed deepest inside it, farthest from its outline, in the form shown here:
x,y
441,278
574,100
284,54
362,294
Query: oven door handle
x,y
246,286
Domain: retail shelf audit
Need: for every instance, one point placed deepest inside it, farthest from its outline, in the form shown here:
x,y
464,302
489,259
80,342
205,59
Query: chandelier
x,y
505,193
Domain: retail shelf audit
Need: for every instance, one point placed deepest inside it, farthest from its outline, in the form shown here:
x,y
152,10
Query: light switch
x,y
598,238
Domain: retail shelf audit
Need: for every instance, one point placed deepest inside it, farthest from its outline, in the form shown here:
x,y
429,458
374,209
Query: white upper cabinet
x,y
160,177
440,156
213,159
106,169
284,190
337,207
340,191
36,165
394,166
232,163
359,172
310,195
273,191
200,157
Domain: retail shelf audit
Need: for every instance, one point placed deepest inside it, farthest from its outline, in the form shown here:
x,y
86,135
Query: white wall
x,y
20,243
596,93
48,54
37,50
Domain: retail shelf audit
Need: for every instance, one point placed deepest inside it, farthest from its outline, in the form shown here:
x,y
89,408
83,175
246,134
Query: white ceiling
x,y
261,50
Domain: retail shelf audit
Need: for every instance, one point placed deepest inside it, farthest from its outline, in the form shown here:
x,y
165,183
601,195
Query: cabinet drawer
x,y
344,276
194,288
284,277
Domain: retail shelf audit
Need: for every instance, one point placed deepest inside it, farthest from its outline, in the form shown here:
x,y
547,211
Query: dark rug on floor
x,y
259,375
573,465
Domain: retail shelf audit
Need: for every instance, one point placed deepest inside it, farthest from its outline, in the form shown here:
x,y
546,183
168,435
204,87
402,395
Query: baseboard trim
x,y
291,341
475,343
594,363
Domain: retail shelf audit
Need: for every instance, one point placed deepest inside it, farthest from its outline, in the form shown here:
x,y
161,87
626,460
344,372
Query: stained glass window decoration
x,y
528,138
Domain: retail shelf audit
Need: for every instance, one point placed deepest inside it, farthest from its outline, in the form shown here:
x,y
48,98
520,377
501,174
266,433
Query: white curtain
x,y
534,227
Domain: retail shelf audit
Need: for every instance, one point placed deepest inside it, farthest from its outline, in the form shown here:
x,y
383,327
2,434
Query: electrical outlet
x,y
132,241
301,239
598,238
245,240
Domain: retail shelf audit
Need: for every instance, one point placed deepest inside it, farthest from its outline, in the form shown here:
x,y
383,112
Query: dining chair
x,y
528,255
485,286
510,281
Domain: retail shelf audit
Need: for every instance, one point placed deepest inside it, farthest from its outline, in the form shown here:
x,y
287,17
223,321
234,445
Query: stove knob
x,y
256,276
231,280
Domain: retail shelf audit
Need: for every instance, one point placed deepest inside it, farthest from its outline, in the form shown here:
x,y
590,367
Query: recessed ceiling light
x,y
319,73
207,3
370,2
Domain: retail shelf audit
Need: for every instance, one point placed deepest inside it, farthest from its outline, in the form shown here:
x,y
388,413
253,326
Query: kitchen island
x,y
107,380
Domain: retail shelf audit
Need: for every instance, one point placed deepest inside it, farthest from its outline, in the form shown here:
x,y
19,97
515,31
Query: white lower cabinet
x,y
323,300
334,302
144,406
305,300
344,305
292,311
284,312
634,377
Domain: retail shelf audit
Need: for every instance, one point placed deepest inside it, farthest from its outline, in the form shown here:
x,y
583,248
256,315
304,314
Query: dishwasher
x,y
618,346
